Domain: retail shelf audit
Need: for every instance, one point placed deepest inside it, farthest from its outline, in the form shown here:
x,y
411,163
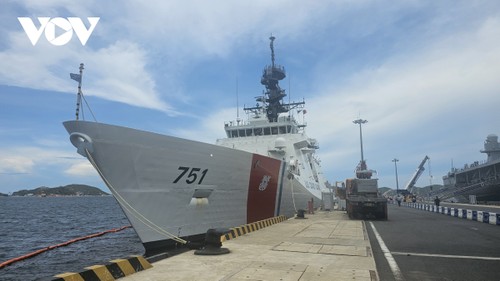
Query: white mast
x,y
78,78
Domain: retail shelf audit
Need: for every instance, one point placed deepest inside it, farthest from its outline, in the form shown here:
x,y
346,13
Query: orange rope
x,y
32,254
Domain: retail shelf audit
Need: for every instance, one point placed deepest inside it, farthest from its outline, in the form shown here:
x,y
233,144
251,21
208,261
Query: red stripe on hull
x,y
262,188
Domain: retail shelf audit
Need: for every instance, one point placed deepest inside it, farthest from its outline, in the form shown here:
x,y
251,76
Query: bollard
x,y
300,214
212,242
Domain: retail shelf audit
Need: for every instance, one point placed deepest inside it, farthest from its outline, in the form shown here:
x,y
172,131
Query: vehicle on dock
x,y
362,197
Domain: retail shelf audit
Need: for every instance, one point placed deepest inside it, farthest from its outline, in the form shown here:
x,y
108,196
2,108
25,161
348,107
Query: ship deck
x,y
324,246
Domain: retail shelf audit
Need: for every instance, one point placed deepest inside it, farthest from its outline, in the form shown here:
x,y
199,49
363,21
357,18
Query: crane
x,y
418,172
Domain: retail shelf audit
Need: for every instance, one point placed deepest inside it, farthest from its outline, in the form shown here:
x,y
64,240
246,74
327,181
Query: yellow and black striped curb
x,y
112,271
247,228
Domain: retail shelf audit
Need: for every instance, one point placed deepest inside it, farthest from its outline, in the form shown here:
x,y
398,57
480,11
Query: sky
x,y
425,74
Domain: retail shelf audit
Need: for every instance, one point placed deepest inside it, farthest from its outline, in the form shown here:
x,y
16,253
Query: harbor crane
x,y
416,175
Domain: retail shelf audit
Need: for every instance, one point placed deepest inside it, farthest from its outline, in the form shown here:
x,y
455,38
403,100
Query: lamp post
x,y
397,181
360,122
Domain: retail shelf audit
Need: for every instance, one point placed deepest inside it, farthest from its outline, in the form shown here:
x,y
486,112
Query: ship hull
x,y
480,180
169,186
483,193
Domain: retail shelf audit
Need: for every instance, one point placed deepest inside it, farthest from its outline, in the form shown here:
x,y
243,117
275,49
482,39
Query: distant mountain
x,y
382,190
424,191
3,194
419,191
67,190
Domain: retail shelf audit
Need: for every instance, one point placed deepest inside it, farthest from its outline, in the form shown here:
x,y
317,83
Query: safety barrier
x,y
247,228
112,271
474,215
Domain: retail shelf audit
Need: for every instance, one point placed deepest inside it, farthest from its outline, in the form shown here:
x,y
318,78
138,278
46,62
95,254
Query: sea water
x,y
28,224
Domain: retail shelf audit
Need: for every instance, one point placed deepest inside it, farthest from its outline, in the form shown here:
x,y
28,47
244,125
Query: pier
x,y
323,246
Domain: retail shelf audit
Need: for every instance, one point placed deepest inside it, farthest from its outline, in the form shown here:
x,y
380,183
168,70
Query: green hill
x,y
419,191
67,190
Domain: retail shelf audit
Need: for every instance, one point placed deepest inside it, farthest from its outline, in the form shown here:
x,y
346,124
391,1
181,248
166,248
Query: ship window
x,y
258,131
282,130
242,133
274,130
234,133
249,132
267,131
289,129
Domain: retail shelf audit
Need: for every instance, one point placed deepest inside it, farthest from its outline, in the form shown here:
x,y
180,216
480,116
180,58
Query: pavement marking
x,y
447,256
398,276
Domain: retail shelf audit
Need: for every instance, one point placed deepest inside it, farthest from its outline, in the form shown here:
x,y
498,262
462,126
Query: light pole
x,y
360,121
397,181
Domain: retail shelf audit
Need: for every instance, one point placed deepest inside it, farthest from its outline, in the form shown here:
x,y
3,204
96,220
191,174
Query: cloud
x,y
116,72
431,97
209,128
198,28
423,74
119,73
179,34
83,169
15,164
417,102
29,159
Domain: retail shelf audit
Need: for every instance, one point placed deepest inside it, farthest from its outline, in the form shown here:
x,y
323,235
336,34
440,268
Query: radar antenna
x,y
272,49
273,95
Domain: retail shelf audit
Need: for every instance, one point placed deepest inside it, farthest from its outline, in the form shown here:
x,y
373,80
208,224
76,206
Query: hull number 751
x,y
191,175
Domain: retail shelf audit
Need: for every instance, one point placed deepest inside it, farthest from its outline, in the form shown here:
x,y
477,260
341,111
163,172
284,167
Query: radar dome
x,y
492,138
280,143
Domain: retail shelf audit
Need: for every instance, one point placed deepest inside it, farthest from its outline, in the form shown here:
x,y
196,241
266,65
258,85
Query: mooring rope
x,y
293,194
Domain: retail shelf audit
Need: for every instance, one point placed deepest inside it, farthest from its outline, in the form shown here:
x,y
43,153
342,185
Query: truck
x,y
362,197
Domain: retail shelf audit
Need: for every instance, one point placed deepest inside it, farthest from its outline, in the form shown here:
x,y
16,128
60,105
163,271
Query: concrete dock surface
x,y
324,246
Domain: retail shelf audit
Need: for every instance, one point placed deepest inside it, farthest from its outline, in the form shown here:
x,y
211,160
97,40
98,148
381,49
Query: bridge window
x,y
267,131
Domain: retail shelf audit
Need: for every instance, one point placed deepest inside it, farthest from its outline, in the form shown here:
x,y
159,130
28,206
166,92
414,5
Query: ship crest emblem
x,y
263,184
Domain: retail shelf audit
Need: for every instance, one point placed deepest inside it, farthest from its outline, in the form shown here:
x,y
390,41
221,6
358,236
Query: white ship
x,y
173,190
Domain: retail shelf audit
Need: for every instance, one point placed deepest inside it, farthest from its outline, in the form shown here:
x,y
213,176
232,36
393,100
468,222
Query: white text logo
x,y
263,184
67,26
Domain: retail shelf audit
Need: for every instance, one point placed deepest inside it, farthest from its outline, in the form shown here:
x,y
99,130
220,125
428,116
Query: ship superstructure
x,y
273,130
